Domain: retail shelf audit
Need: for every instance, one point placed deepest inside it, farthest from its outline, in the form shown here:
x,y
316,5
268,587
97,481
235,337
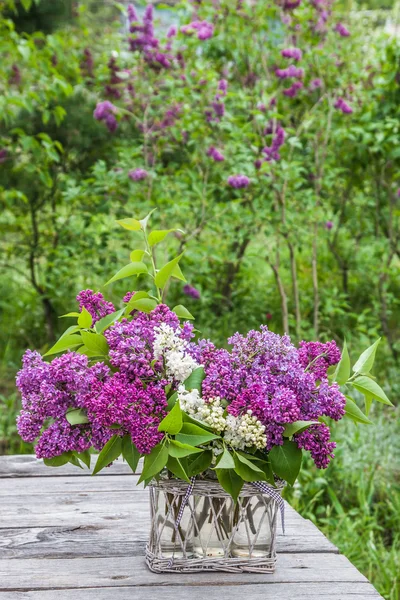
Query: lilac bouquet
x,y
132,381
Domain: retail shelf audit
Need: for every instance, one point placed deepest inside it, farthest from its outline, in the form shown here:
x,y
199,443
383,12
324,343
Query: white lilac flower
x,y
166,338
179,365
245,431
210,412
171,346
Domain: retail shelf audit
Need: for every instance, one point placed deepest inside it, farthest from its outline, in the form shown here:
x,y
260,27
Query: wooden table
x,y
68,536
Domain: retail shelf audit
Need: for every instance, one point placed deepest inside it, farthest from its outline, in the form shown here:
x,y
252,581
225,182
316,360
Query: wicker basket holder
x,y
214,533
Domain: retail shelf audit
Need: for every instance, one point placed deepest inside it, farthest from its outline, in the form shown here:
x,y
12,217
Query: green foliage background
x,y
64,181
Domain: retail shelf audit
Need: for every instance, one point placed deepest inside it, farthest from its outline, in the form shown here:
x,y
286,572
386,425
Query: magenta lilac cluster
x,y
204,29
95,304
105,111
342,105
137,174
128,398
280,384
271,153
238,181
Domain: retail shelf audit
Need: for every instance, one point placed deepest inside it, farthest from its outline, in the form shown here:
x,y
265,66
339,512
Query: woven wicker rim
x,y
207,487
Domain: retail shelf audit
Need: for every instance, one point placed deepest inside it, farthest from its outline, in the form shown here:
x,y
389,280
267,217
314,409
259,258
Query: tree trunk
x,y
295,285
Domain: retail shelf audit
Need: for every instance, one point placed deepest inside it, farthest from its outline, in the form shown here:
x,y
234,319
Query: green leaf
x,y
143,222
180,450
195,379
182,312
188,419
111,451
176,467
226,461
266,467
70,330
108,320
286,461
367,358
71,314
66,342
136,255
342,372
157,236
173,422
76,416
154,462
354,413
74,461
368,402
172,401
194,435
85,319
134,268
166,272
292,428
84,457
130,224
247,469
95,342
230,481
58,461
130,453
366,385
145,305
177,274
199,463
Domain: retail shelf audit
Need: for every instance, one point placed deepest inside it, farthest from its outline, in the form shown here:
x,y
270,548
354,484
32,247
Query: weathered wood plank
x,y
286,591
123,571
100,541
26,465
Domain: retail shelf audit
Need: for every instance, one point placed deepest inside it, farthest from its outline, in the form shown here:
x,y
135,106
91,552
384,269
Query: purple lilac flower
x,y
3,155
289,72
95,304
291,4
293,90
172,31
105,111
204,29
315,439
191,291
138,174
266,374
48,390
398,193
131,342
342,105
138,409
294,53
317,357
128,296
238,181
132,14
87,64
215,154
328,225
222,87
278,138
342,30
316,84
